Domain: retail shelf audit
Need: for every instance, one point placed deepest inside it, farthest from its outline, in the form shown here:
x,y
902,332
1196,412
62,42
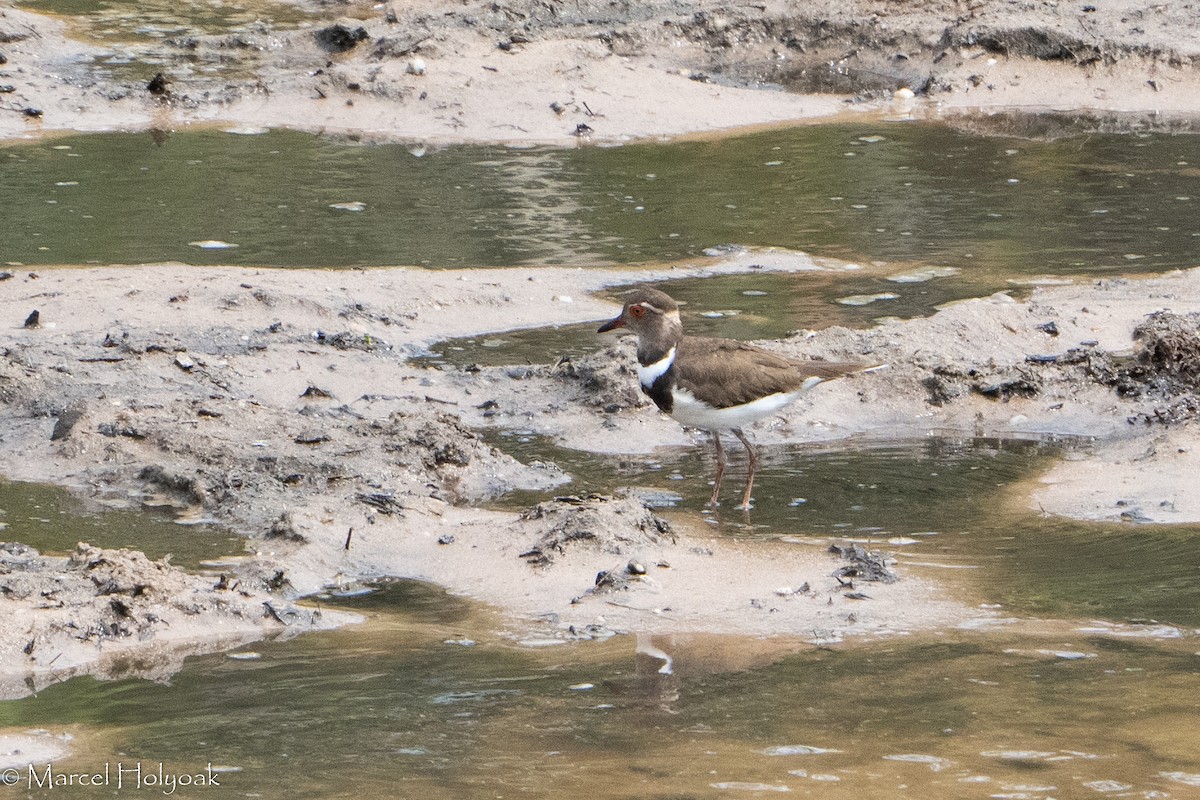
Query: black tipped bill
x,y
612,324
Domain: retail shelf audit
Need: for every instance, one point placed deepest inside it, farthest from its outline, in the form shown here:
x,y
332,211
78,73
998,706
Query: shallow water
x,y
139,38
129,21
406,706
904,193
54,521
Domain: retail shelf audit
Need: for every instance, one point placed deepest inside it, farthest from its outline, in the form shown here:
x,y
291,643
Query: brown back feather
x,y
725,372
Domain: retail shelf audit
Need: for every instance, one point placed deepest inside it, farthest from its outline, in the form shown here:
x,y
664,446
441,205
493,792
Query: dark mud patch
x,y
862,564
1049,126
1164,366
341,36
1169,356
949,382
614,525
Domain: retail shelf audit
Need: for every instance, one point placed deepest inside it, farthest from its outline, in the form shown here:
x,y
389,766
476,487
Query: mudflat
x,y
284,404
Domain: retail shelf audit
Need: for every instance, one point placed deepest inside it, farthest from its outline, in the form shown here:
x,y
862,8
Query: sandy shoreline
x,y
282,403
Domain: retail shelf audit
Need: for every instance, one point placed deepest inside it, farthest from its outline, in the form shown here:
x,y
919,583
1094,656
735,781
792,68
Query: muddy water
x,y
121,22
54,521
140,38
420,702
901,193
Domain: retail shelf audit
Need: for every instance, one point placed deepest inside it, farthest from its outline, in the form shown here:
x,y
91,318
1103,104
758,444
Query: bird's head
x,y
646,311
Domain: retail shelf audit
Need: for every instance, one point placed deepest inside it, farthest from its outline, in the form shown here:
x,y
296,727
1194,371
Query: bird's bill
x,y
612,324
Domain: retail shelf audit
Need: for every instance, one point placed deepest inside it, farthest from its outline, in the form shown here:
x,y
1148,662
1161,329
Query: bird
x,y
711,383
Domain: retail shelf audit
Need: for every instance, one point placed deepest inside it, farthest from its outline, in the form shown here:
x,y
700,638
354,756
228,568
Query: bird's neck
x,y
655,345
656,363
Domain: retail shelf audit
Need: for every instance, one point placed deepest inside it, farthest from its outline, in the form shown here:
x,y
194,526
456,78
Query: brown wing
x,y
724,372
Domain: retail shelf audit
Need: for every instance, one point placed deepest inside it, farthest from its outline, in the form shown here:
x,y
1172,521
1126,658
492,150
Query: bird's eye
x,y
637,311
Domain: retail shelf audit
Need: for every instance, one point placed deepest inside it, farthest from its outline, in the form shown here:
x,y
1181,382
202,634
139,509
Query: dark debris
x,y
864,564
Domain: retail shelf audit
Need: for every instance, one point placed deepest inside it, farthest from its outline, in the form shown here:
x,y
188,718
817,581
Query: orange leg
x,y
712,501
753,466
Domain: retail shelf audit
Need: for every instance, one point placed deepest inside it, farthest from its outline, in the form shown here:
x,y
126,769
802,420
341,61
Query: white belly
x,y
690,411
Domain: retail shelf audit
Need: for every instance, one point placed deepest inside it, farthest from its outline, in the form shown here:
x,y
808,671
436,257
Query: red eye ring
x,y
637,311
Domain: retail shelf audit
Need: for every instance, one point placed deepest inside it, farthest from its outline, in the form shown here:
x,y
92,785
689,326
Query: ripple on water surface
x,y
930,196
948,716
